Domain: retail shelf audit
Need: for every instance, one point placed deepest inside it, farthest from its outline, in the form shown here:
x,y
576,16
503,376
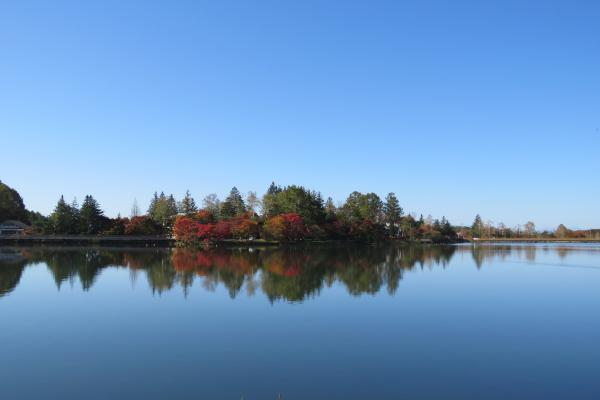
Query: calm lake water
x,y
499,322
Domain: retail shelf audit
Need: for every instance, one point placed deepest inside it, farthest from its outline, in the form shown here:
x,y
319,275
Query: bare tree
x,y
135,209
253,203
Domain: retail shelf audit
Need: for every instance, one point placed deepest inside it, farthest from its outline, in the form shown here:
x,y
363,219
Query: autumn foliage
x,y
201,227
285,227
141,226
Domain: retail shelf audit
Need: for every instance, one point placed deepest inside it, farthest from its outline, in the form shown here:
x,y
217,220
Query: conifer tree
x,y
188,205
233,204
477,227
64,218
330,210
90,216
392,212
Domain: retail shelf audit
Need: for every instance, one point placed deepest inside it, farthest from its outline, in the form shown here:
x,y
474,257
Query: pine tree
x,y
233,204
330,210
477,227
163,210
392,212
188,205
64,218
90,216
269,203
153,204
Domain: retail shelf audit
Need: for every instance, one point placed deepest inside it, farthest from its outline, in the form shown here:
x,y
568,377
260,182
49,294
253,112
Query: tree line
x,y
489,230
283,213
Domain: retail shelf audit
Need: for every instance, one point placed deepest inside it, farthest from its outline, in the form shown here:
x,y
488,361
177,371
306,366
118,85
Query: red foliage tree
x,y
244,228
286,227
141,226
222,230
189,231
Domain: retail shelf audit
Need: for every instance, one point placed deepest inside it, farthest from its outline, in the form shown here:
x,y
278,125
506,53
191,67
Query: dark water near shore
x,y
491,321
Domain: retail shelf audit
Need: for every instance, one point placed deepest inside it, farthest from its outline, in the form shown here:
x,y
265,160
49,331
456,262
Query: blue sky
x,y
458,107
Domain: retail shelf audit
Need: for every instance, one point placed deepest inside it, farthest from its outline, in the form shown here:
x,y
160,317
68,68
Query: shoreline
x,y
162,241
534,240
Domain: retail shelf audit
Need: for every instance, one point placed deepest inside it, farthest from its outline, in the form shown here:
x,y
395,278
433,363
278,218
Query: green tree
x,y
298,200
152,205
392,213
65,218
188,205
269,201
360,207
477,227
163,210
91,216
330,210
11,204
233,205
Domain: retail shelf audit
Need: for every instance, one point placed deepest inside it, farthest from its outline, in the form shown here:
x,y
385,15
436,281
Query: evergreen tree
x,y
76,215
163,210
153,204
64,219
392,213
188,205
446,228
233,204
90,216
477,227
330,210
269,201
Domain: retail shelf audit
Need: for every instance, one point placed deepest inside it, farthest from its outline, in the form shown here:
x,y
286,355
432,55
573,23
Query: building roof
x,y
11,223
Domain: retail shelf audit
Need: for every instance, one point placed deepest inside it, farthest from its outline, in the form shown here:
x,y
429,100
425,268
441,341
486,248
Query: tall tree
x,y
188,205
233,204
477,227
90,216
530,228
135,209
392,213
152,205
269,201
212,204
253,203
64,219
163,210
330,210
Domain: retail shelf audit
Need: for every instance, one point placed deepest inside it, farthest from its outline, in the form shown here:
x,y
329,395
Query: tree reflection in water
x,y
292,273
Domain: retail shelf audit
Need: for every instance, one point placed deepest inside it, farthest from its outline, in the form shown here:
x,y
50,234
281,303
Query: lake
x,y
307,322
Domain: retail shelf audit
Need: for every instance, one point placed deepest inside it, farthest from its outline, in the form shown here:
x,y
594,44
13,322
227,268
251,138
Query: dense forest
x,y
284,214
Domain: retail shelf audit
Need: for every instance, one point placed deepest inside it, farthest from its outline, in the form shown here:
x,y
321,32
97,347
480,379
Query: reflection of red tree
x,y
284,265
185,260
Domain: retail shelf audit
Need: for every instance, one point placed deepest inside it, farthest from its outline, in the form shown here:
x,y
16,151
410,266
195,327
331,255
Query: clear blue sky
x,y
458,107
